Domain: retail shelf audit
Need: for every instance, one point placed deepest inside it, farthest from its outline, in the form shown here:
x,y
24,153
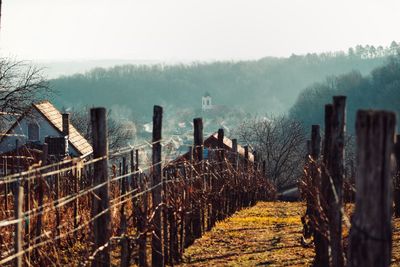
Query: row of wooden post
x,y
165,246
370,237
167,253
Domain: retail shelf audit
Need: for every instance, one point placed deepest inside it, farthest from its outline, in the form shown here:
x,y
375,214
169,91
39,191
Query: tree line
x,y
268,85
380,89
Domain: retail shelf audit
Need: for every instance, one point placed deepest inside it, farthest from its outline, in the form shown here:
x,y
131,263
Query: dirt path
x,y
267,234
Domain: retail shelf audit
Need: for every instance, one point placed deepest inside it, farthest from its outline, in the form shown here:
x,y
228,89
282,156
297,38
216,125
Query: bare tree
x,y
119,133
280,142
20,85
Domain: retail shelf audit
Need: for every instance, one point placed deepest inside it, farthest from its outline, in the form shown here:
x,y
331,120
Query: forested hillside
x,y
378,90
269,85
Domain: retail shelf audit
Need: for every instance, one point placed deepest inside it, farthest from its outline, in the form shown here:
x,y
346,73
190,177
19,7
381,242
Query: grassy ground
x,y
267,234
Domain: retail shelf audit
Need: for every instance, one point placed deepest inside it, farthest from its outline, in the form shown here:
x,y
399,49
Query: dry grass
x,y
267,234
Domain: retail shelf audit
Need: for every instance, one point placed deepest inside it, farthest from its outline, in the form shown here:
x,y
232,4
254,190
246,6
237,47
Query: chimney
x,y
65,124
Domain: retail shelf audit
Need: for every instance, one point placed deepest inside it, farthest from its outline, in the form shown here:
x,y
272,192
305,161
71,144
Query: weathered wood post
x,y
125,246
337,173
198,155
40,195
102,225
157,257
371,229
220,203
321,258
165,220
246,175
18,208
141,213
235,163
188,198
396,182
246,157
326,197
76,176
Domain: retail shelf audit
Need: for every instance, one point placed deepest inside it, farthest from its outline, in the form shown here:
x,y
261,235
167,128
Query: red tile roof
x,y
54,117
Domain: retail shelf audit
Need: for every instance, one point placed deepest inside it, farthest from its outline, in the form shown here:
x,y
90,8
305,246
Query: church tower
x,y
206,102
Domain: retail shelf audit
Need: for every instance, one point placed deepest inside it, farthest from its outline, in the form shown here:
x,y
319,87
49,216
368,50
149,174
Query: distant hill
x,y
380,89
266,85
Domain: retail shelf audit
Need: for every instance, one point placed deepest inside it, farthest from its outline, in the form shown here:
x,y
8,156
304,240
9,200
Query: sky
x,y
191,29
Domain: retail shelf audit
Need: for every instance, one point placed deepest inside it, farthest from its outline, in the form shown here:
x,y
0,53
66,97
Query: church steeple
x,y
206,103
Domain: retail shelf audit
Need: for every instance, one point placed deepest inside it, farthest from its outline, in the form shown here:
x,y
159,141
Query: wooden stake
x,y
18,208
198,155
337,173
102,225
156,240
371,229
396,190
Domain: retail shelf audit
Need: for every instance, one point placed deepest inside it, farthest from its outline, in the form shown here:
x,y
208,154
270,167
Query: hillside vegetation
x,y
378,90
268,85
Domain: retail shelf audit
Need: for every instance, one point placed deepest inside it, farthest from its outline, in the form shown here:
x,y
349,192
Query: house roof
x,y
229,144
211,141
54,117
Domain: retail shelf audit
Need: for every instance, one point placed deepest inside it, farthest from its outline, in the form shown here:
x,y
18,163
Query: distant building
x,y
206,103
41,123
210,144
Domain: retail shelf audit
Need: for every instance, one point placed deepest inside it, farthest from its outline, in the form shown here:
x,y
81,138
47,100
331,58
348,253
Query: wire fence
x,y
326,188
48,214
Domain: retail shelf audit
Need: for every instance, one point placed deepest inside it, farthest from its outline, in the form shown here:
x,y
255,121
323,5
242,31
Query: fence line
x,y
190,189
370,237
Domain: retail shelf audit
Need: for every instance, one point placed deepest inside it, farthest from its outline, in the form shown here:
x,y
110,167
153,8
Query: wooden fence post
x,y
141,214
101,225
125,246
337,173
246,157
321,258
245,198
396,193
156,240
188,198
165,219
235,155
40,195
371,228
76,176
326,196
198,155
220,203
18,207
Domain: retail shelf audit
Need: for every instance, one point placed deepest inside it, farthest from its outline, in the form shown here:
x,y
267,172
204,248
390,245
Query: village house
x,y
211,143
43,123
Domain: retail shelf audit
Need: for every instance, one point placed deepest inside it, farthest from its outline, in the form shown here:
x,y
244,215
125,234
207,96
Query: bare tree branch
x,y
20,85
280,142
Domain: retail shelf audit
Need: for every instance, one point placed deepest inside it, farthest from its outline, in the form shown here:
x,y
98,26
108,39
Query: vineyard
x,y
112,209
134,206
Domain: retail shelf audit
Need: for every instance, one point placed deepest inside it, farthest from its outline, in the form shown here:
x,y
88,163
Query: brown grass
x,y
267,234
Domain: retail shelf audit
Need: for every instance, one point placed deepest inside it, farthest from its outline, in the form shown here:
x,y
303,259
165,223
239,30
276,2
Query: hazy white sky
x,y
192,29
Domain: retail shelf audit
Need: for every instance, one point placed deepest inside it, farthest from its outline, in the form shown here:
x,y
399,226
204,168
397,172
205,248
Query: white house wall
x,y
21,132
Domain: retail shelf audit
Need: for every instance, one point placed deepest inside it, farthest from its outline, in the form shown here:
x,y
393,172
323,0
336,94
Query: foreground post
x,y
396,190
101,225
337,173
321,258
327,197
18,209
198,155
157,258
371,229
